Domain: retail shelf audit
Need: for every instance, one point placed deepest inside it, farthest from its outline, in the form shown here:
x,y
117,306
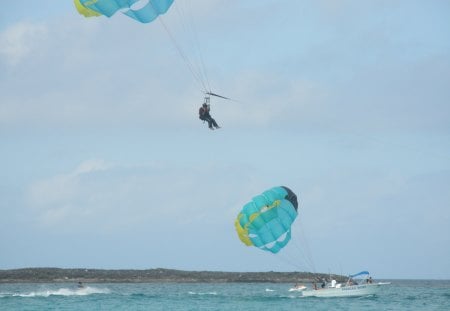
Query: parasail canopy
x,y
265,222
145,14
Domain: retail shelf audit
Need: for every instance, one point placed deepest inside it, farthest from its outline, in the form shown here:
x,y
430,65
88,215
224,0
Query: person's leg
x,y
210,122
215,123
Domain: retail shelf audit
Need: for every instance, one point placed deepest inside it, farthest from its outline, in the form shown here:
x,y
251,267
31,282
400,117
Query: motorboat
x,y
349,289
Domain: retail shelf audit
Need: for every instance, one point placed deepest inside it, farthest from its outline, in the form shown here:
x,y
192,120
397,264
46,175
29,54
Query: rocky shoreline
x,y
160,275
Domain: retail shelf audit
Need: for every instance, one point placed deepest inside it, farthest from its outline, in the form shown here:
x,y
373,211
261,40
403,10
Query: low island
x,y
55,275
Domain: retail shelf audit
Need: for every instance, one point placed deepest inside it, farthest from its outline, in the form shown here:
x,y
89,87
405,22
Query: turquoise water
x,y
401,295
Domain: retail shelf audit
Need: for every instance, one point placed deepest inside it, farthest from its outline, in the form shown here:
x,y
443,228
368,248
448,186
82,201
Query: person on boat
x,y
369,280
314,285
323,283
205,116
80,285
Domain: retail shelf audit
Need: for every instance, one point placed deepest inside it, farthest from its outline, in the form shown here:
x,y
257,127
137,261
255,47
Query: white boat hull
x,y
298,288
346,291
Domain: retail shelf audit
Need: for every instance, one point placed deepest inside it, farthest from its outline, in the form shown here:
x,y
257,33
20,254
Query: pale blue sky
x,y
104,162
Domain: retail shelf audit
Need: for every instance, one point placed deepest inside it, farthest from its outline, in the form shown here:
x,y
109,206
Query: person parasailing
x,y
205,108
205,116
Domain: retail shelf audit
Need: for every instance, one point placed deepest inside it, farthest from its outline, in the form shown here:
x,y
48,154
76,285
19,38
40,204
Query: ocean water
x,y
401,295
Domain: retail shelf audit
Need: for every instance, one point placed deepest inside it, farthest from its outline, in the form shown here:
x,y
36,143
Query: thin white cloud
x,y
91,166
21,41
100,196
55,195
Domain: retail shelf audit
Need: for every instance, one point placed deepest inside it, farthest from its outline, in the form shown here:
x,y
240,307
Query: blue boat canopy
x,y
358,274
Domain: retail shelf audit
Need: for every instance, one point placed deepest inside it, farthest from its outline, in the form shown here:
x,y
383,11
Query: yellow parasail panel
x,y
84,10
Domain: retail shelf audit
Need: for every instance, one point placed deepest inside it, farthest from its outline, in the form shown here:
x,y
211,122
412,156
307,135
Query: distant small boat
x,y
349,289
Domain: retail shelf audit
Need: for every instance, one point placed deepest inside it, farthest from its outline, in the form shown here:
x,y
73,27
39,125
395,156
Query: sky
x,y
105,164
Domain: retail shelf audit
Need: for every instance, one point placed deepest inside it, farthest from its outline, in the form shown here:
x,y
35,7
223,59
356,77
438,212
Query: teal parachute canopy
x,y
265,222
145,14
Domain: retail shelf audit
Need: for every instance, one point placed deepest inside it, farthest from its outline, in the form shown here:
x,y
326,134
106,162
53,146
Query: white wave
x,y
200,293
64,292
269,290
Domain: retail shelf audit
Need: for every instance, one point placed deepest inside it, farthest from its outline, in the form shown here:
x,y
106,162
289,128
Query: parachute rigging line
x,y
188,24
189,64
198,74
